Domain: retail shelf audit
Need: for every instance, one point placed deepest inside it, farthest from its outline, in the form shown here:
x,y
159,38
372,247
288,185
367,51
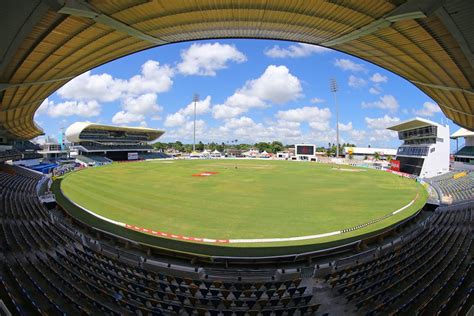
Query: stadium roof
x,y
412,123
462,132
74,131
45,43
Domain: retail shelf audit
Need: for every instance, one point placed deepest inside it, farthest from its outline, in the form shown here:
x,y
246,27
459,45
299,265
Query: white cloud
x,y
356,82
375,90
184,132
206,59
69,108
316,118
386,102
376,133
223,111
347,64
378,78
102,87
154,78
144,104
124,117
317,100
381,122
175,119
43,108
137,109
202,106
246,129
429,109
295,51
276,85
180,117
345,127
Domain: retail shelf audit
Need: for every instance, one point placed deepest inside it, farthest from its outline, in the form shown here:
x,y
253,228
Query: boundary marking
x,y
267,240
234,241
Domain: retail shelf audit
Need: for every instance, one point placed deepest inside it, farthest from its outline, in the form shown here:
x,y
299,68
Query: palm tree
x,y
377,156
389,158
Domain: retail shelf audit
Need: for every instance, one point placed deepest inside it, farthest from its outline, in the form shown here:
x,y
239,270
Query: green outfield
x,y
245,199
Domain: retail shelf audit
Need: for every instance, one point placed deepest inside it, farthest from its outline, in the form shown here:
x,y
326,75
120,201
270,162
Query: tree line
x,y
270,147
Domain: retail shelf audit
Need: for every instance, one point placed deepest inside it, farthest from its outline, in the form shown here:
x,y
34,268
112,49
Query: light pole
x,y
333,85
195,99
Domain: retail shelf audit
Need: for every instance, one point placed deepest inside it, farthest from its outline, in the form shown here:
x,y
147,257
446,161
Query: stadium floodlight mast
x,y
333,85
195,99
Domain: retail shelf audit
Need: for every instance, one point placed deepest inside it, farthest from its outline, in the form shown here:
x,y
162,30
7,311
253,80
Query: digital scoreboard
x,y
305,151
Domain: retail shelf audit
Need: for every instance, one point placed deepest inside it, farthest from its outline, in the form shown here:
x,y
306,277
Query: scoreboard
x,y
305,150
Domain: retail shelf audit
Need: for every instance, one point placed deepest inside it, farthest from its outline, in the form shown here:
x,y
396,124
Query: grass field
x,y
245,199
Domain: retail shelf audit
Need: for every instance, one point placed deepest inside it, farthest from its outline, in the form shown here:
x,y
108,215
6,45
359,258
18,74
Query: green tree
x,y
389,158
276,147
178,146
160,146
263,146
377,156
200,146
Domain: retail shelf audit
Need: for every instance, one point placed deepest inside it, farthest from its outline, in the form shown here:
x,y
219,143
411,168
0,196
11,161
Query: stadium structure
x,y
414,259
464,157
425,148
98,143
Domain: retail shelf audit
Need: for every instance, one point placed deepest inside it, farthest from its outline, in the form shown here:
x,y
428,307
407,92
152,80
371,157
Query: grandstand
x,y
99,144
52,264
51,267
425,148
464,157
454,186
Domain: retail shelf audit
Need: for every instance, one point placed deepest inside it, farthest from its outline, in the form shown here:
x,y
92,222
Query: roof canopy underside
x,y
47,43
411,124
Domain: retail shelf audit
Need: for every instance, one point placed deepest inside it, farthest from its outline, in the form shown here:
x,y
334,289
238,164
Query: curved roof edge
x,y
462,132
73,131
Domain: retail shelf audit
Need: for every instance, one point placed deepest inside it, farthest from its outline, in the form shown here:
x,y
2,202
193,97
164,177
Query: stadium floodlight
x,y
195,99
333,86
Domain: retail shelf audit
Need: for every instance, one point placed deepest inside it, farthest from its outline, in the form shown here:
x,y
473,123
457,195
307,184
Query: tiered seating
x,y
421,275
146,291
100,159
95,160
97,146
466,151
157,155
47,267
455,185
10,154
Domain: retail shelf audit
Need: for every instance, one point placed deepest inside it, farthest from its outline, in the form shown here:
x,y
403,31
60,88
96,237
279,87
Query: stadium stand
x,y
93,160
418,275
10,154
466,151
152,155
114,142
48,266
457,186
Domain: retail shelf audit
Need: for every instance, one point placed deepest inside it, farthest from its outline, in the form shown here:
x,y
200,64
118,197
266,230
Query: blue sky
x,y
250,90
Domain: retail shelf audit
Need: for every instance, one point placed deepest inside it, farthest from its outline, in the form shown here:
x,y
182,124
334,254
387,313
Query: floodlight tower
x,y
195,99
333,85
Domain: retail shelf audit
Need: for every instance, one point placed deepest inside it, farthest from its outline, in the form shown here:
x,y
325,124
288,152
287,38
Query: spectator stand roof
x,y
46,43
